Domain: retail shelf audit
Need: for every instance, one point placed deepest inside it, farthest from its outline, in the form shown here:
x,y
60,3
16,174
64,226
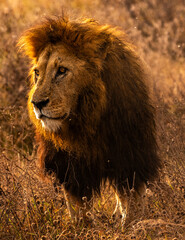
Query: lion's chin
x,y
51,124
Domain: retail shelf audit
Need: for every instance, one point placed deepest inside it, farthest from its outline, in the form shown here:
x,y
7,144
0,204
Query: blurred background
x,y
30,209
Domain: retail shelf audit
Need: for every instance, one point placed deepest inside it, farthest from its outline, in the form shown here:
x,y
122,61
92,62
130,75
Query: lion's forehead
x,y
57,55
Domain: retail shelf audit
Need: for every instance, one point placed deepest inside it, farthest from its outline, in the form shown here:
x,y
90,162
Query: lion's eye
x,y
61,71
36,72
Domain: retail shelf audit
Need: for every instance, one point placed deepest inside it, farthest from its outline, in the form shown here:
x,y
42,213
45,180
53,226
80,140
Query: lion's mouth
x,y
42,116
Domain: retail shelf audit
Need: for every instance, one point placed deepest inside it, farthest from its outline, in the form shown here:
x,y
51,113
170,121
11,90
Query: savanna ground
x,y
32,209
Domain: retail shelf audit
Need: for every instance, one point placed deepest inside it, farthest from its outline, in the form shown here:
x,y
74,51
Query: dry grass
x,y
32,209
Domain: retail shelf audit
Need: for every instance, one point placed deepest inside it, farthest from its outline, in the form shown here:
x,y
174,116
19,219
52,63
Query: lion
x,y
90,105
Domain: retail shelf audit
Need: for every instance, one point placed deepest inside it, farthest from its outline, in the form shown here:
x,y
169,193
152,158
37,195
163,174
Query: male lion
x,y
90,105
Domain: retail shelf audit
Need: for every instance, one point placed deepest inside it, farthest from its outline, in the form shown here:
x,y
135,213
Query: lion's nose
x,y
40,104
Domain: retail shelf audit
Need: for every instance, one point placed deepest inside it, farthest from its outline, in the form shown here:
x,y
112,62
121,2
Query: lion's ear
x,y
97,48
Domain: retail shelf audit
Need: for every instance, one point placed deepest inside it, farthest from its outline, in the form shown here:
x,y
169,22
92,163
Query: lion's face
x,y
58,82
66,90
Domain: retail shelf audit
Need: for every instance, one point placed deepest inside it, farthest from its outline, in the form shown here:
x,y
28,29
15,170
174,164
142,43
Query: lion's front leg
x,y
121,209
73,205
78,208
130,203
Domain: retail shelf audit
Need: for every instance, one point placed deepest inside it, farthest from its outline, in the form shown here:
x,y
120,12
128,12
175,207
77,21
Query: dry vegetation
x,y
32,209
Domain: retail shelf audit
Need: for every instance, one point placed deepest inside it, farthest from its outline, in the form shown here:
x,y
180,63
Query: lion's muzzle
x,y
40,104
